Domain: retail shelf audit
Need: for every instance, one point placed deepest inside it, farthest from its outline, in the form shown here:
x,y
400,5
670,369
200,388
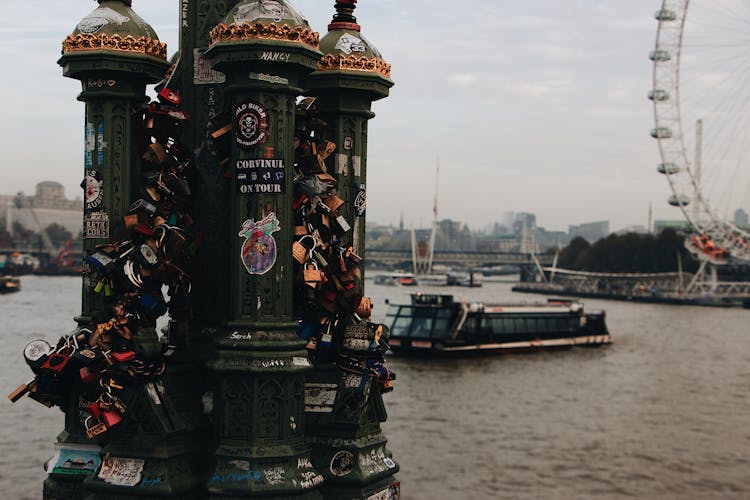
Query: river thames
x,y
662,413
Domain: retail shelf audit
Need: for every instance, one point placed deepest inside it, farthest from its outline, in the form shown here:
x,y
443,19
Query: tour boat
x,y
395,279
440,324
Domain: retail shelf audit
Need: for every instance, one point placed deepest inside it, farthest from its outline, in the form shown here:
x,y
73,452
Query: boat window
x,y
400,327
421,328
441,328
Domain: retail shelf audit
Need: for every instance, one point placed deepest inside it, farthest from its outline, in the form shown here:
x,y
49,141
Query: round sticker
x,y
36,349
342,463
252,124
93,189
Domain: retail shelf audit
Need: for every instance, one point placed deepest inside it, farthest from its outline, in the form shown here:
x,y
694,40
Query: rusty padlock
x,y
94,427
364,309
334,202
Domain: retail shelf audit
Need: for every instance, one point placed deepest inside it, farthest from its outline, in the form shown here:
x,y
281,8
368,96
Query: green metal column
x,y
114,70
154,451
264,49
349,447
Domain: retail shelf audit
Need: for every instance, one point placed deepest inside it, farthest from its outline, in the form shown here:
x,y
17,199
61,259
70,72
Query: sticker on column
x,y
251,124
121,471
93,189
360,200
357,165
100,145
100,18
342,162
90,142
349,43
259,249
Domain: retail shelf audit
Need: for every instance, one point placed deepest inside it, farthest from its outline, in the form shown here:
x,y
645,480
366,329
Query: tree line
x,y
629,253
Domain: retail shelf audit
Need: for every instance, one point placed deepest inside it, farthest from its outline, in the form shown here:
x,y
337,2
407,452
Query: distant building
x,y
740,217
590,231
47,206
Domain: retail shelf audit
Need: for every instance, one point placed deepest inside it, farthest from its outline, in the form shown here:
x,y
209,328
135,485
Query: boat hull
x,y
429,348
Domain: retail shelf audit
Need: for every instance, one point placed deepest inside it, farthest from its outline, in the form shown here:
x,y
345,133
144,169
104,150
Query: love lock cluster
x,y
328,298
120,348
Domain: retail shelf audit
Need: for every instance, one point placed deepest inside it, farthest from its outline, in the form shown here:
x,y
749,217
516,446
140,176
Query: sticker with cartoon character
x,y
259,251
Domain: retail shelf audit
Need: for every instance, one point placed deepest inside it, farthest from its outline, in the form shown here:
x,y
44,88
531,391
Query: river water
x,y
662,413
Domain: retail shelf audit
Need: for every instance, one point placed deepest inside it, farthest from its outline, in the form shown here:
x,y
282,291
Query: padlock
x,y
101,262
364,308
326,149
130,221
154,306
89,356
57,361
158,153
145,256
36,353
88,375
171,95
342,225
312,275
123,356
22,390
299,252
333,203
111,418
142,206
95,409
94,427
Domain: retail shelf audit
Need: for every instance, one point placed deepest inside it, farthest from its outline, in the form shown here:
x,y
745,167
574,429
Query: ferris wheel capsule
x,y
665,15
659,55
661,133
678,200
668,168
658,95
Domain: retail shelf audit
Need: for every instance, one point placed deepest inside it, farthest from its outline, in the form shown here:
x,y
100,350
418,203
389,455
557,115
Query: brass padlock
x,y
312,275
158,152
94,427
333,202
299,251
326,148
364,309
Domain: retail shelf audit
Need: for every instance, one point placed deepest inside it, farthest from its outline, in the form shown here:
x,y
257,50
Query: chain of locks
x,y
328,297
103,359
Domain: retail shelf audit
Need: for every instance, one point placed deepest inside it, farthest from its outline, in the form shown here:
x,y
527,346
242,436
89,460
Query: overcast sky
x,y
531,106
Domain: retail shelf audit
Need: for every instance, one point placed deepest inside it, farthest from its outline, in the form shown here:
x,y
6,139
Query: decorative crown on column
x,y
114,26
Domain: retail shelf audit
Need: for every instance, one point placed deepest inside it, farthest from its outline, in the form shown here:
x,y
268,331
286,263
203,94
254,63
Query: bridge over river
x,y
457,259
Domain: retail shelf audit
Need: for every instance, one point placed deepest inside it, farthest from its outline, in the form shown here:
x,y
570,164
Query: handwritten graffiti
x,y
236,476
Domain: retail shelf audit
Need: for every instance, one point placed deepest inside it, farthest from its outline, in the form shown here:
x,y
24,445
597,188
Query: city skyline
x,y
534,108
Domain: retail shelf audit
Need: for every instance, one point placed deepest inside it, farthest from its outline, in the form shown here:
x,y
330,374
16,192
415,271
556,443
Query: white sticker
x,y
300,361
357,165
203,73
100,18
349,43
319,398
121,471
342,162
267,9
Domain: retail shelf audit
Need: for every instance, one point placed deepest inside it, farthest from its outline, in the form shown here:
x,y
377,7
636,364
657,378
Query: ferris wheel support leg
x,y
698,276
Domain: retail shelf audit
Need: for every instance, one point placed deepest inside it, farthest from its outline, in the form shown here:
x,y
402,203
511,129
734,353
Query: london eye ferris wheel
x,y
701,102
